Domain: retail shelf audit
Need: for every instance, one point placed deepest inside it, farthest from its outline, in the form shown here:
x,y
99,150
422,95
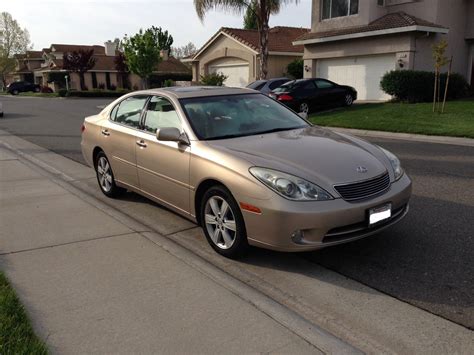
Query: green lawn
x,y
457,121
16,333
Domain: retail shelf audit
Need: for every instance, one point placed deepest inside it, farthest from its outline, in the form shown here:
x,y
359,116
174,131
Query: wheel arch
x,y
201,190
96,152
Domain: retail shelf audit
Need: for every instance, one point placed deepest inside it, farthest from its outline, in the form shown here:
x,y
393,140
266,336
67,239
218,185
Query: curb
x,y
321,339
467,142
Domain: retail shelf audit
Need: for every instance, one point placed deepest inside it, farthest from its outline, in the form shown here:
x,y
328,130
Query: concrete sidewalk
x,y
92,284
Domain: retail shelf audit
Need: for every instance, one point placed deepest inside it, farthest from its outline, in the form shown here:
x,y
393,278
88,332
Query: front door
x,y
118,138
163,167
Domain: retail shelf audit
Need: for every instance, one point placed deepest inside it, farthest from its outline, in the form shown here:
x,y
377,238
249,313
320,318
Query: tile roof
x,y
107,63
389,21
280,38
34,54
62,48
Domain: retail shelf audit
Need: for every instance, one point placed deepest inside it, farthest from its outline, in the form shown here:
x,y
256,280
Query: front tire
x,y
304,107
105,177
15,92
223,223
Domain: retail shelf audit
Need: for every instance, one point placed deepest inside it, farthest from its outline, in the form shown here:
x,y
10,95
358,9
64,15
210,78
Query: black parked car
x,y
22,86
266,86
305,95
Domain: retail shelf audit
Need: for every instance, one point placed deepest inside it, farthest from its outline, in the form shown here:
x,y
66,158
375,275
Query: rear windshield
x,y
230,116
257,85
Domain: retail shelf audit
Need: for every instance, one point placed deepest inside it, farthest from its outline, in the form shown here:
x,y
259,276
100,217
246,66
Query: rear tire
x,y
15,92
105,177
223,223
37,89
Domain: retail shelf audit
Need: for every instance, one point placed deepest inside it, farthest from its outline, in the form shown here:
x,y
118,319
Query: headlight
x,y
397,167
289,186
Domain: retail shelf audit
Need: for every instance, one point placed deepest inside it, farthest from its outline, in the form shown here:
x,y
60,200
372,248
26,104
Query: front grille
x,y
364,189
360,229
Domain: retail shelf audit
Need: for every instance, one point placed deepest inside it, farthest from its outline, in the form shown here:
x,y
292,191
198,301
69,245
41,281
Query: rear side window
x,y
128,111
324,84
160,113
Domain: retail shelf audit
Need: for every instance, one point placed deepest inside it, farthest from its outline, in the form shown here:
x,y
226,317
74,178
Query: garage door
x,y
237,73
362,73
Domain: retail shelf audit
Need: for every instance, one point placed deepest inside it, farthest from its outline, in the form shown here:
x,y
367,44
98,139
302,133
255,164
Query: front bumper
x,y
319,224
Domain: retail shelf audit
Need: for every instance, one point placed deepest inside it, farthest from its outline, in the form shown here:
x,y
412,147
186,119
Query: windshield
x,y
230,116
288,86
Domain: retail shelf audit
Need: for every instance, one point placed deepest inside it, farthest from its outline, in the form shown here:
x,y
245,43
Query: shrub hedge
x,y
92,93
418,86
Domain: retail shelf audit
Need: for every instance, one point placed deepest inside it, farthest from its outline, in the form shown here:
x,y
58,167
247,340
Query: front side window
x,y
230,116
339,8
128,111
160,113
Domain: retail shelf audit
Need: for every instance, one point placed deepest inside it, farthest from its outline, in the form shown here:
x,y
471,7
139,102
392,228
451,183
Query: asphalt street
x,y
426,260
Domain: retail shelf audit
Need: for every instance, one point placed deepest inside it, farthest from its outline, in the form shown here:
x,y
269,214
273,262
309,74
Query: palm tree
x,y
262,8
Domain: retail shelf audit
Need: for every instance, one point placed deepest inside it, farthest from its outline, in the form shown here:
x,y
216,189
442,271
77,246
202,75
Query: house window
x,y
94,80
339,8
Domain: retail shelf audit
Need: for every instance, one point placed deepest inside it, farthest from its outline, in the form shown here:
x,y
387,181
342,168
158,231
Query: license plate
x,y
379,214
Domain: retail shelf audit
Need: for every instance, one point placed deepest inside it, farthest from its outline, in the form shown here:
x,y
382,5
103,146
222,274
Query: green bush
x,y
158,81
168,83
214,79
418,86
93,93
62,92
295,69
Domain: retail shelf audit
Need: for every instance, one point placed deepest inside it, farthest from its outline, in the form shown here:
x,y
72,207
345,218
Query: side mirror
x,y
303,115
171,134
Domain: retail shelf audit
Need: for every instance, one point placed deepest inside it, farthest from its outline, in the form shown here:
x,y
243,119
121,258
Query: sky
x,y
96,21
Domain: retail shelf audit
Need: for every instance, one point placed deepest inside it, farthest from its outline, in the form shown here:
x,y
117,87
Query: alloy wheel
x,y
304,107
105,174
220,222
349,100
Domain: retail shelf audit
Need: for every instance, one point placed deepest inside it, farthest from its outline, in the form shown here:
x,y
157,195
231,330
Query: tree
x,y
13,40
263,10
250,18
440,59
142,51
79,62
163,39
295,68
184,51
122,67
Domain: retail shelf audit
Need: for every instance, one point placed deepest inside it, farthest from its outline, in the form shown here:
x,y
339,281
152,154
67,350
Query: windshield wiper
x,y
277,130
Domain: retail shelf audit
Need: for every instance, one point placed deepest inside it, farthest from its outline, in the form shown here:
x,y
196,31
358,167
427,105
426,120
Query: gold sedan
x,y
246,168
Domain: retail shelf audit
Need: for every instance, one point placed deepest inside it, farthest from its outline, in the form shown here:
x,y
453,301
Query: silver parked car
x,y
246,168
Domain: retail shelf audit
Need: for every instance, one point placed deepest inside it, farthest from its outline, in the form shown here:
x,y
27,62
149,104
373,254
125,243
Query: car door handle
x,y
105,132
141,143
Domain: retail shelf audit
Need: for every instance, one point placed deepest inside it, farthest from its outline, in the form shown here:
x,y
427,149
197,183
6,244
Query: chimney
x,y
110,48
164,54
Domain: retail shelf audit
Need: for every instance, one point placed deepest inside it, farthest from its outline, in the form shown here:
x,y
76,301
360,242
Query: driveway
x,y
426,260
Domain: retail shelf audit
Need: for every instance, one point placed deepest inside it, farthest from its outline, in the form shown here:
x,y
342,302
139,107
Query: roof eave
x,y
396,30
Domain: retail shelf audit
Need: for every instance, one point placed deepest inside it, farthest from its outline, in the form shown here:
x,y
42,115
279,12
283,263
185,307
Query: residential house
x,y
46,68
235,53
355,42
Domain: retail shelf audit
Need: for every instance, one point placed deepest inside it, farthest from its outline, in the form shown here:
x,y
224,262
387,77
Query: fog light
x,y
297,236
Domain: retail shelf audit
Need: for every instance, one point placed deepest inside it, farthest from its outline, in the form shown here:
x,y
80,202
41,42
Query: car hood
x,y
313,153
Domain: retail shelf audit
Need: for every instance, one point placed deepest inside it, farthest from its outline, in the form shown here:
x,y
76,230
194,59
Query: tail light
x,y
285,97
83,128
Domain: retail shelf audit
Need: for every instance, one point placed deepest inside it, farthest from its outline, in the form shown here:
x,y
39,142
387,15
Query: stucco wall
x,y
224,47
277,65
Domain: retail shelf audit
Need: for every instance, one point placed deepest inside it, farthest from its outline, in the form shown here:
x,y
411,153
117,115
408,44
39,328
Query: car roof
x,y
197,91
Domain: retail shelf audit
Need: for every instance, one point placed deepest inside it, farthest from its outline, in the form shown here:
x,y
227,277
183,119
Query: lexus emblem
x,y
361,169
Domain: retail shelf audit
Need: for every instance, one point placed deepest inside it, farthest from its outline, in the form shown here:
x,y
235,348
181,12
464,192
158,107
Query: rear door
x,y
119,138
